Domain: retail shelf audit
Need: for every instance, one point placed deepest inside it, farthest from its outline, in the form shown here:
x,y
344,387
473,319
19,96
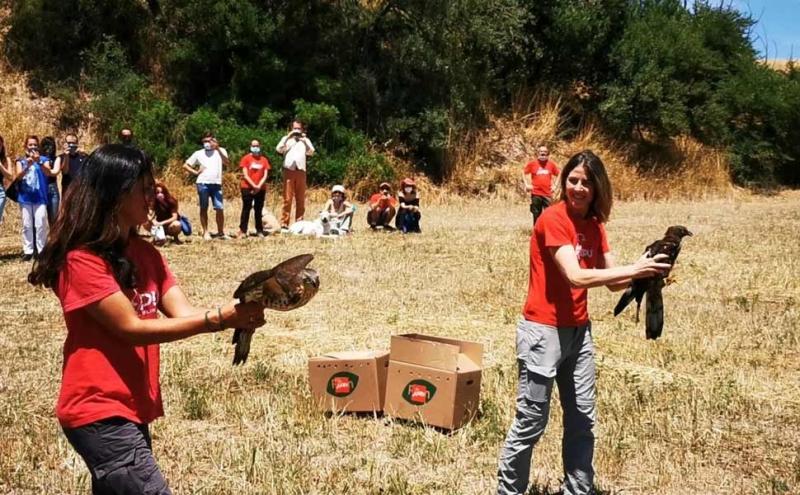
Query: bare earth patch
x,y
712,407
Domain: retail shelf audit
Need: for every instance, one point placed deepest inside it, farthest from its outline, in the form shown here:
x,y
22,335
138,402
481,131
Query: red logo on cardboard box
x,y
419,392
342,384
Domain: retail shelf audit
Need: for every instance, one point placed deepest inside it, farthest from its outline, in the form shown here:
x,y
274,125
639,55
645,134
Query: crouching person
x,y
166,221
339,211
382,208
408,214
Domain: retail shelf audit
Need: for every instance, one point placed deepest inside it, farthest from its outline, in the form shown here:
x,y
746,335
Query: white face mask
x,y
408,190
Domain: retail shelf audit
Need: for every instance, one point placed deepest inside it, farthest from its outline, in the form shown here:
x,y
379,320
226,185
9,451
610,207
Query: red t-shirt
x,y
103,376
551,300
541,177
255,168
378,198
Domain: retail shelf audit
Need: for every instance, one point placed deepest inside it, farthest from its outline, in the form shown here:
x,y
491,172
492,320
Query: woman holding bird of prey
x,y
569,253
111,285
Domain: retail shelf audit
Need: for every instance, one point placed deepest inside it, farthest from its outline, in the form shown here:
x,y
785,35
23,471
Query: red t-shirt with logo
x,y
103,376
551,300
541,177
255,168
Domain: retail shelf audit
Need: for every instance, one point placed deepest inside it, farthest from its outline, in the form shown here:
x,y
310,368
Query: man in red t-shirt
x,y
542,171
255,168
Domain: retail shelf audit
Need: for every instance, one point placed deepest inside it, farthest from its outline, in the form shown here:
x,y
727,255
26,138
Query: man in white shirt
x,y
211,160
294,147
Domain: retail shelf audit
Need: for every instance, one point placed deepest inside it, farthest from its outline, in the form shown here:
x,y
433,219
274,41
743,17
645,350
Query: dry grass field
x,y
711,408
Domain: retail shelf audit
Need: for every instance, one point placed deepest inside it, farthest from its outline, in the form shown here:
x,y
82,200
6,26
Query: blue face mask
x,y
255,150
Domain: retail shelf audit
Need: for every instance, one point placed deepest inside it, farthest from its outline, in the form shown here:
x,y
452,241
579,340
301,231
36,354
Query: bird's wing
x,y
287,272
252,281
654,310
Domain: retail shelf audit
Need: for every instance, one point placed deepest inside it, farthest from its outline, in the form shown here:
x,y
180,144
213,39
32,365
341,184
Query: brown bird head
x,y
678,231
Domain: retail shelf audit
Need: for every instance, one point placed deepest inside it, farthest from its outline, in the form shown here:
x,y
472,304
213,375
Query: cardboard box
x,y
434,380
353,381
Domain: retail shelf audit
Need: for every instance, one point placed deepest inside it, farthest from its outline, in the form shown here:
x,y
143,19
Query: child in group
x,y
382,208
408,214
339,210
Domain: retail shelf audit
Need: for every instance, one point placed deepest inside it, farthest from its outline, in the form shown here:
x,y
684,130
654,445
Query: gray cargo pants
x,y
545,353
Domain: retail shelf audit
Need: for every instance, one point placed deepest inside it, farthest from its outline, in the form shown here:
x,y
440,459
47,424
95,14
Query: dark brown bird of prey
x,y
654,306
286,286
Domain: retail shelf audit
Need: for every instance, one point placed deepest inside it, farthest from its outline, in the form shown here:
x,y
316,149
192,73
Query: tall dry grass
x,y
489,162
711,408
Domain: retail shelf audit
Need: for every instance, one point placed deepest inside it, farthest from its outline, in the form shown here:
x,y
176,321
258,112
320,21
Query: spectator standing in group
x,y
408,213
69,163
125,136
542,171
382,208
294,147
7,173
255,169
209,162
48,150
340,211
32,198
165,215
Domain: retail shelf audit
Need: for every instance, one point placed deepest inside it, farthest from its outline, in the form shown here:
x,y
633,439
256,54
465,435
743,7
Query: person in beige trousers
x,y
294,147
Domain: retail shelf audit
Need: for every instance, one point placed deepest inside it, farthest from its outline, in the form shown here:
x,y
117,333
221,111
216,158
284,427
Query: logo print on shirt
x,y
582,252
145,303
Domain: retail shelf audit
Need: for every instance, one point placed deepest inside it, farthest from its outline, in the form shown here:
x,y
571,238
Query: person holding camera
x,y
295,147
69,163
382,208
209,181
32,198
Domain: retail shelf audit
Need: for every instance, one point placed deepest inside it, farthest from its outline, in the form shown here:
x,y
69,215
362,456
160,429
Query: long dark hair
x,y
169,203
603,198
3,154
89,216
48,146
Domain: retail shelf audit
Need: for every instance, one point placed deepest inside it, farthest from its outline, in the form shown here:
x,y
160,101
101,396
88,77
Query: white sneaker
x,y
207,236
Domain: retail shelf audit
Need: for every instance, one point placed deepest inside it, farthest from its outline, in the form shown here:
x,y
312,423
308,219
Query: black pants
x,y
254,201
119,456
408,221
538,204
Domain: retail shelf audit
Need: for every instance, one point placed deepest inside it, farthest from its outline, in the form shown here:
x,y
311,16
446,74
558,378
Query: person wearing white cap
x,y
340,211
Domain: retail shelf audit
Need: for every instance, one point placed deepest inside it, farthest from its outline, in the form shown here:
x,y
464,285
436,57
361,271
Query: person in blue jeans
x,y
569,253
408,213
32,198
48,150
209,162
6,175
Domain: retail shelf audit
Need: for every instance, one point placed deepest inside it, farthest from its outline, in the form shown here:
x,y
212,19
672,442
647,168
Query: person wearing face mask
x,y
340,211
48,150
255,168
209,161
538,177
294,147
32,198
69,163
165,215
408,214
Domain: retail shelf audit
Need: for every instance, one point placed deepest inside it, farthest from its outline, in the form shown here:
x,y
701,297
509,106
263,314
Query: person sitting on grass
x,y
382,208
165,215
340,211
408,214
112,285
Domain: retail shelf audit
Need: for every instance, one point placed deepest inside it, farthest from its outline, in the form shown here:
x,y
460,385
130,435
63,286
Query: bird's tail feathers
x,y
241,338
624,300
654,312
